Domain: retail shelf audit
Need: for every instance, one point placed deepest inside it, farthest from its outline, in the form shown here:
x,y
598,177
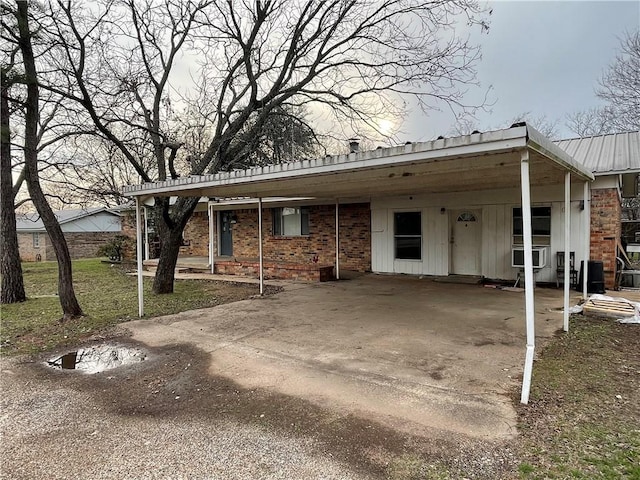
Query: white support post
x,y
528,276
567,247
139,258
587,239
212,253
260,245
147,255
337,240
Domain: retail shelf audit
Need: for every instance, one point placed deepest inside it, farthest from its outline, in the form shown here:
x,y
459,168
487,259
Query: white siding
x,y
496,241
496,207
435,253
381,242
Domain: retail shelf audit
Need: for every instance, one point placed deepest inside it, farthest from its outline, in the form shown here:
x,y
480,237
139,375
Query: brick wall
x,y
196,236
605,230
86,244
29,253
355,237
129,230
81,245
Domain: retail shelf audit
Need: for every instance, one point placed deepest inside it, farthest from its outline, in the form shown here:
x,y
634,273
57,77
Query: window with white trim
x,y
290,221
36,239
407,232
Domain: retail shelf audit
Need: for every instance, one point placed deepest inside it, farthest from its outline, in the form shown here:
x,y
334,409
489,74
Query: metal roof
x,y
606,154
31,222
486,160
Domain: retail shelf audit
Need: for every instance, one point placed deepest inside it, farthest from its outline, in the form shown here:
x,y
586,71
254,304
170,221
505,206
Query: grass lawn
x,y
107,296
583,420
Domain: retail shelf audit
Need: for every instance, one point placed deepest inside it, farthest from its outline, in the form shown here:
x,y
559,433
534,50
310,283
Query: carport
x,y
482,161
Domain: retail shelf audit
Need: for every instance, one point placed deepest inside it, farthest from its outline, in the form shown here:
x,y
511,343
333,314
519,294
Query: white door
x,y
466,243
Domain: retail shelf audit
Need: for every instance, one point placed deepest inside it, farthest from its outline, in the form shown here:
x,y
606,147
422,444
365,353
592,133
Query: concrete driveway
x,y
411,353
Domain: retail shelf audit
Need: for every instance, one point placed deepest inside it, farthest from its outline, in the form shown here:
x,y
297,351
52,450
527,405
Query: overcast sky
x,y
541,57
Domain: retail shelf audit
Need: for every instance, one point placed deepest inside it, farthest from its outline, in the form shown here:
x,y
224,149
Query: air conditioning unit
x,y
539,257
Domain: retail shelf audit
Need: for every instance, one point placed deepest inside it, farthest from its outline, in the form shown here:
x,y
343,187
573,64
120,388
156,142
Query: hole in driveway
x,y
98,358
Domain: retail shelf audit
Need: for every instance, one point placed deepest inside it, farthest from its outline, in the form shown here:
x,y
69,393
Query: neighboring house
x,y
417,210
85,230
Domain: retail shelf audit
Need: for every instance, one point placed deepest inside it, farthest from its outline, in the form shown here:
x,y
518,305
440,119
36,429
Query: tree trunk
x,y
170,222
11,269
67,296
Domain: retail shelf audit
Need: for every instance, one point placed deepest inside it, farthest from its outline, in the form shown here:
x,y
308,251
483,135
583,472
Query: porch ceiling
x,y
473,162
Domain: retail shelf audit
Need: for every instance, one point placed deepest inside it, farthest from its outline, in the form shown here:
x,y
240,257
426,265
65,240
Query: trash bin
x,y
595,277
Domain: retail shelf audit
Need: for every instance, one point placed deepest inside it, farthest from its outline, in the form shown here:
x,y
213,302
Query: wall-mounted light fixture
x,y
442,210
581,204
233,219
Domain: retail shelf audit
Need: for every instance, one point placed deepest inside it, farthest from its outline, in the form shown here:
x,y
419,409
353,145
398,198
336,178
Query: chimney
x,y
354,145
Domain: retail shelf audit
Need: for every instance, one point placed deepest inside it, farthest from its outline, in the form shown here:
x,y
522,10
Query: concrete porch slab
x,y
421,356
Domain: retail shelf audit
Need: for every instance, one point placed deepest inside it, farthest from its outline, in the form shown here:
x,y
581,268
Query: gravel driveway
x,y
148,422
169,418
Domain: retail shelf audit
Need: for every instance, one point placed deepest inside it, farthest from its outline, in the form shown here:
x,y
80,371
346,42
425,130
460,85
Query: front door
x,y
226,235
466,243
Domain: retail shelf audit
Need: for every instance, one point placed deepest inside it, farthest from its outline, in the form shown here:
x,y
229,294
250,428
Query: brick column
x,y
606,211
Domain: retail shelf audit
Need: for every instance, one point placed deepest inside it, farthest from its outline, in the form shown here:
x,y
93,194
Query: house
x,y
85,230
470,232
496,204
614,160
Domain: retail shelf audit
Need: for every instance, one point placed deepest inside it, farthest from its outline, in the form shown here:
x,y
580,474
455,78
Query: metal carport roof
x,y
488,160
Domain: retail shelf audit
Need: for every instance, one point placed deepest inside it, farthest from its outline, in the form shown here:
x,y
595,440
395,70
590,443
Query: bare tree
x,y
10,266
619,87
352,58
548,127
590,122
68,301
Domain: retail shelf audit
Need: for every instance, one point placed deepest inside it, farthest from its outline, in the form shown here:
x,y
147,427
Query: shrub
x,y
114,248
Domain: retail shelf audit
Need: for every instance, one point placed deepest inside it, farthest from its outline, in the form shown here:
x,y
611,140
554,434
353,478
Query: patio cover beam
x,y
337,240
567,247
139,258
586,199
212,253
528,276
147,255
260,246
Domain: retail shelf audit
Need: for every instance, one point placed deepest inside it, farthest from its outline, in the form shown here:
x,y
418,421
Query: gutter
x,y
542,145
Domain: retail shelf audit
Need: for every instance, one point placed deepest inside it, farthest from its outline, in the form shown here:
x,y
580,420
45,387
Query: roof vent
x,y
475,131
518,124
354,145
440,138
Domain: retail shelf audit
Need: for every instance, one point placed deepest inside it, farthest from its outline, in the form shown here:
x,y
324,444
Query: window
x,y
290,221
466,217
407,231
540,225
36,240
